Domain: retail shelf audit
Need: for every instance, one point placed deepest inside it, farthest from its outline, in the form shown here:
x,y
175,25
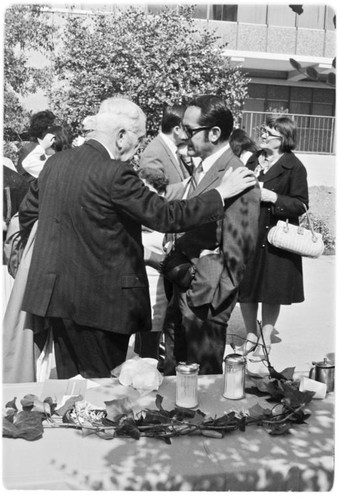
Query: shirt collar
x,y
109,152
208,162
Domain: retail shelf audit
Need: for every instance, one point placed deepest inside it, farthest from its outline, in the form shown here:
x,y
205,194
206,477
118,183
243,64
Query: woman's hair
x,y
62,139
39,124
156,178
286,128
240,141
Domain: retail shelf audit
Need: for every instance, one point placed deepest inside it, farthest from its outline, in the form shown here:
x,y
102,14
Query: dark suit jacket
x,y
87,263
158,155
214,289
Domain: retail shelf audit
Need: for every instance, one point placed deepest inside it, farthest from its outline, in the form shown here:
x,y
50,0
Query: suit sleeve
x,y
131,197
29,209
291,205
151,159
176,191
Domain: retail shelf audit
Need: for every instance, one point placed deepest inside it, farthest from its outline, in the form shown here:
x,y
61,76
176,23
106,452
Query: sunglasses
x,y
192,131
265,131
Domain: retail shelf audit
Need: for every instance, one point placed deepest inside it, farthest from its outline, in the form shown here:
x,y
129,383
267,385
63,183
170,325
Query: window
x,y
313,16
330,15
201,11
298,100
281,15
254,14
224,12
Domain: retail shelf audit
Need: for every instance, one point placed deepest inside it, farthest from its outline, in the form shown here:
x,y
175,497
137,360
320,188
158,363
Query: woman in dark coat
x,y
273,277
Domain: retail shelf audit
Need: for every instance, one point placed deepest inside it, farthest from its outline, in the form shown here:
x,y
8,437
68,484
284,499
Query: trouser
x,y
147,344
84,350
191,339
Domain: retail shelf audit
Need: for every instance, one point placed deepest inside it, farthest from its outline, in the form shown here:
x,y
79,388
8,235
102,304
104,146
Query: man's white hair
x,y
115,113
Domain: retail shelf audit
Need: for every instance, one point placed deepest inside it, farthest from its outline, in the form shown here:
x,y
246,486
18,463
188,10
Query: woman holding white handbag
x,y
273,276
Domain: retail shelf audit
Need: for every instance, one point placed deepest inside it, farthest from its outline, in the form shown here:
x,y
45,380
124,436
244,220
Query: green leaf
x,y
296,65
127,427
312,73
295,398
12,404
298,9
256,411
26,425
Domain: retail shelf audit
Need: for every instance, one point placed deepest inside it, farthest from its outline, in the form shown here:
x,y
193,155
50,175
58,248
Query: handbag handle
x,y
314,238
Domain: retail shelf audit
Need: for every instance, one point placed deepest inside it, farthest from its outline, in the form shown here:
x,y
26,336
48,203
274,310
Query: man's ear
x,y
214,134
120,138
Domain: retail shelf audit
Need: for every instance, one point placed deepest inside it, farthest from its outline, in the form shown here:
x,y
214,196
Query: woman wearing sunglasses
x,y
273,277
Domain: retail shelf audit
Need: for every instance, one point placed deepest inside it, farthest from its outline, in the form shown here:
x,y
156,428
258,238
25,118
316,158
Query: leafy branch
x,y
119,420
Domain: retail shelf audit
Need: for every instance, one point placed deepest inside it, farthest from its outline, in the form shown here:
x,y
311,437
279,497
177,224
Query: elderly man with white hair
x,y
87,274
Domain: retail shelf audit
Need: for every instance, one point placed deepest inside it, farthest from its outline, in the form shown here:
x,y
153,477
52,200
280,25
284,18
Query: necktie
x,y
194,180
185,163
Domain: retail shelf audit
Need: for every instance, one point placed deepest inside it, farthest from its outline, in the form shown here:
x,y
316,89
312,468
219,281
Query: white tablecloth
x,y
241,461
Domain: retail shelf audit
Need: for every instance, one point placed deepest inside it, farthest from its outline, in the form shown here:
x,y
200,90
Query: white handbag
x,y
297,239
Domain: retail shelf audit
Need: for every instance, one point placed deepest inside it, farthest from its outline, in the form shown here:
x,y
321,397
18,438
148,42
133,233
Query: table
x,y
242,461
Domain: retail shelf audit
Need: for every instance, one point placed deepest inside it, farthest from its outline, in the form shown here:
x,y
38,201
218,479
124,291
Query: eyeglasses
x,y
265,131
192,131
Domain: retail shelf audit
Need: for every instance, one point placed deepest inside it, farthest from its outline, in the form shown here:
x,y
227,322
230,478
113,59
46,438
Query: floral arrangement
x,y
119,420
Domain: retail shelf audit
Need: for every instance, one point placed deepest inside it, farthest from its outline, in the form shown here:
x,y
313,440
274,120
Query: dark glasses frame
x,y
192,131
264,130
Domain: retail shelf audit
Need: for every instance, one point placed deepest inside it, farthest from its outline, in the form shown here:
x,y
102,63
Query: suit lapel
x,y
215,173
277,169
171,157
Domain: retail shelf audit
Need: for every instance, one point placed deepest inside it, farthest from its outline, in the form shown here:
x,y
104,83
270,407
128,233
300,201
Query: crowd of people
x,y
159,252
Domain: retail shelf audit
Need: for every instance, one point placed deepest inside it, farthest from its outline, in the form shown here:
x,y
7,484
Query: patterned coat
x,y
87,263
214,289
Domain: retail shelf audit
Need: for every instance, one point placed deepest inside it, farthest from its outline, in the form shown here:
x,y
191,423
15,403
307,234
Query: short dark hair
x,y
214,113
172,117
286,128
62,139
39,123
240,141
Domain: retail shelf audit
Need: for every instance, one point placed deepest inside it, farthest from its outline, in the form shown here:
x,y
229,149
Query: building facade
x,y
262,39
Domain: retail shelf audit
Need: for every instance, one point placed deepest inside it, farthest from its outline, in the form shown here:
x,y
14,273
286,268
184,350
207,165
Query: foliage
x,y
151,59
26,29
320,226
119,420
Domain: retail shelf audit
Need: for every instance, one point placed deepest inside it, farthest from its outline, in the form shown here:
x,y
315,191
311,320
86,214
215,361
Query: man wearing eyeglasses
x,y
219,251
87,274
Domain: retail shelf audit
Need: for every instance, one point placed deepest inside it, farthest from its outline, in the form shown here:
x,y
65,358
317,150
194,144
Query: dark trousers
x,y
87,351
147,344
191,339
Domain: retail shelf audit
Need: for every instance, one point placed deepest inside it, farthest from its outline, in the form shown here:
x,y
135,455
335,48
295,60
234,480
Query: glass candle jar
x,y
234,376
186,385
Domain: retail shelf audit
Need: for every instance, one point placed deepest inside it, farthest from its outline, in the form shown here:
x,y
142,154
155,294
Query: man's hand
x,y
47,141
236,181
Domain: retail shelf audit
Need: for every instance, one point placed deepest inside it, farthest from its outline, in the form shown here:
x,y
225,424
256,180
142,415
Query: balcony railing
x,y
315,134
